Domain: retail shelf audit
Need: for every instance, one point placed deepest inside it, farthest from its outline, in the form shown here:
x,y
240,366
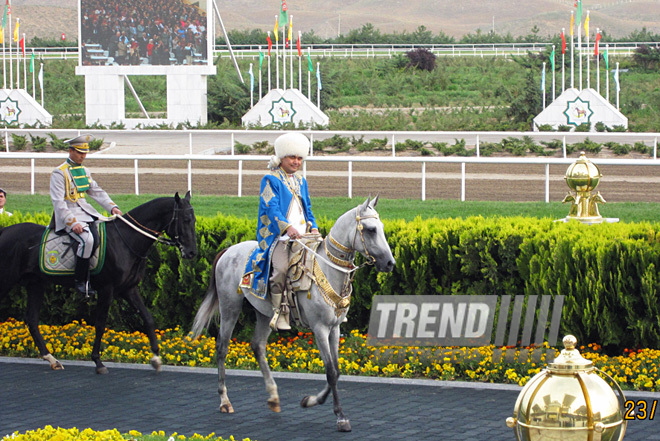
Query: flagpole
x,y
318,85
543,84
309,77
11,68
24,65
572,55
607,74
18,66
618,81
260,61
291,51
299,66
33,83
563,61
277,57
269,73
588,63
580,54
41,82
597,63
4,61
251,87
284,56
269,47
553,72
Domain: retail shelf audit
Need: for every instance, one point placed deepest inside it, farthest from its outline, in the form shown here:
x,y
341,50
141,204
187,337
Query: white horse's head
x,y
361,230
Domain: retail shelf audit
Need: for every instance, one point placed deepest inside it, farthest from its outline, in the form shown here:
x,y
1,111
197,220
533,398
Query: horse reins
x,y
153,234
342,300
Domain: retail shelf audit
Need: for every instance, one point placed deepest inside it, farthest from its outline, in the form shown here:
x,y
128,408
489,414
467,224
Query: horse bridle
x,y
359,228
153,234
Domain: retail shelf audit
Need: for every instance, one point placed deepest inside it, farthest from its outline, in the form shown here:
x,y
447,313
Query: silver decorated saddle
x,y
57,253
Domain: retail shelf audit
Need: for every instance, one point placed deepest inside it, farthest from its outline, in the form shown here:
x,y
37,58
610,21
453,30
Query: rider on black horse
x,y
70,183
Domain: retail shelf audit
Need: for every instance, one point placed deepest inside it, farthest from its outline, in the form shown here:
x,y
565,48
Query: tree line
x,y
369,34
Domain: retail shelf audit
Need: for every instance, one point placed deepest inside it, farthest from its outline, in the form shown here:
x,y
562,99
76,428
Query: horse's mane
x,y
150,206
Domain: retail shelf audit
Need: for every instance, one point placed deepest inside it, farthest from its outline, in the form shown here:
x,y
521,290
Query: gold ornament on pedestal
x,y
569,401
582,177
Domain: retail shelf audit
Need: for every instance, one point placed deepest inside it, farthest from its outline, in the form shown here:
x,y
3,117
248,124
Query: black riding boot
x,y
82,278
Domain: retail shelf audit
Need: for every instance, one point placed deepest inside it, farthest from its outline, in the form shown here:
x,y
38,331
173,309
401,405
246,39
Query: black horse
x,y
128,242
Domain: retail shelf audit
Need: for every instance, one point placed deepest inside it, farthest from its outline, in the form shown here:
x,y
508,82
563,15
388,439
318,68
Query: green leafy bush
x,y
57,143
95,144
608,272
19,141
38,143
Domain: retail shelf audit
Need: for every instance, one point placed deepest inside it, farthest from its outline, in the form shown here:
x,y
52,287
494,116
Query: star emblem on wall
x,y
282,111
9,111
578,112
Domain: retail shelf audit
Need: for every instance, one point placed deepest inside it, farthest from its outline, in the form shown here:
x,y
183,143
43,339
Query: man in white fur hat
x,y
285,213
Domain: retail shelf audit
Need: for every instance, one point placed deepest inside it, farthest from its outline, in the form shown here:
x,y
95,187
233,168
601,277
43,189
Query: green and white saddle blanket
x,y
57,256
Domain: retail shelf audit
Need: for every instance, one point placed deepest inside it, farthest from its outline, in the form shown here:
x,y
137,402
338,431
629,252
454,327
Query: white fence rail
x,y
377,50
200,145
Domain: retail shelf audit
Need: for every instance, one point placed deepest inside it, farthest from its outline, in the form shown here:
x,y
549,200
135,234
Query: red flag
x,y
21,43
596,45
298,45
563,43
63,36
270,44
183,24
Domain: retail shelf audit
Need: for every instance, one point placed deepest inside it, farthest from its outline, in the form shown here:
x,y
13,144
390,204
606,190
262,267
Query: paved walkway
x,y
184,400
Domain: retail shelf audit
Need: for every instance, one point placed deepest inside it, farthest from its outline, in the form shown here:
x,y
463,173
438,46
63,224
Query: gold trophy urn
x,y
569,401
582,178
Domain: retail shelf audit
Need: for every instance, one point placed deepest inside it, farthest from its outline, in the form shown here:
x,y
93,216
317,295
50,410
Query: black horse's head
x,y
182,226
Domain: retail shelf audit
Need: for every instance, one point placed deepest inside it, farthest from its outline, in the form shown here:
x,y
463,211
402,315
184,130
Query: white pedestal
x,y
284,106
18,107
105,89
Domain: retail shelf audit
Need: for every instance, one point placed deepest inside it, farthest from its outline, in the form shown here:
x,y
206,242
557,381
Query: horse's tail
x,y
209,307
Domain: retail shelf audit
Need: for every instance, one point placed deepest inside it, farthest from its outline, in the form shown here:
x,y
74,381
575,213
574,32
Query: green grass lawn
x,y
405,209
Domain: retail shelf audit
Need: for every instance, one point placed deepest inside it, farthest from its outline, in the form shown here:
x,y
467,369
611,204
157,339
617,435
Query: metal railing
x,y
378,50
227,142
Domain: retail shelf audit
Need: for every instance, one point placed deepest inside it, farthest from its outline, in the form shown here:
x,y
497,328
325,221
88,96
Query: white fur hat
x,y
289,144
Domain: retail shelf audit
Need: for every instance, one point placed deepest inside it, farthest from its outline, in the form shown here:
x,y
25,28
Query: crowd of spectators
x,y
133,32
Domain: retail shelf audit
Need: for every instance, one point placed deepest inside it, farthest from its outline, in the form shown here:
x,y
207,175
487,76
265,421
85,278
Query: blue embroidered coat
x,y
275,198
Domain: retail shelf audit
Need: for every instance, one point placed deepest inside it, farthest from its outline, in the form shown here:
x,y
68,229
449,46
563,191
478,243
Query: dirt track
x,y
484,182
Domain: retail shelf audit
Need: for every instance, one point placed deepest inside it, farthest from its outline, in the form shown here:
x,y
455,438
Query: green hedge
x,y
607,272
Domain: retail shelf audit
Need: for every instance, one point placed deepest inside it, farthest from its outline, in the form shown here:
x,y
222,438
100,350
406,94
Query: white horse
x,y
358,230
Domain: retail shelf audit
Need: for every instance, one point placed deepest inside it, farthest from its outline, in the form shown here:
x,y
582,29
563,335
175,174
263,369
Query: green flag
x,y
32,63
579,13
284,15
4,19
261,59
310,66
552,58
607,61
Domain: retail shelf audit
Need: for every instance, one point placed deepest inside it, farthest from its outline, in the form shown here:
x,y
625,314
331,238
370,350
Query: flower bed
x,y
49,433
635,369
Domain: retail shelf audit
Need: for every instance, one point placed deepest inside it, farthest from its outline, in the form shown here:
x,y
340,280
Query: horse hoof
x,y
54,362
156,362
274,405
307,402
102,370
343,426
226,408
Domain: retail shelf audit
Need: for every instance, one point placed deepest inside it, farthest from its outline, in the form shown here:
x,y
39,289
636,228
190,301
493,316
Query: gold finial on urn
x,y
569,401
582,178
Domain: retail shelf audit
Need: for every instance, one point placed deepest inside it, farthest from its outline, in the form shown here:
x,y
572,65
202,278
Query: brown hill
x,y
49,18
